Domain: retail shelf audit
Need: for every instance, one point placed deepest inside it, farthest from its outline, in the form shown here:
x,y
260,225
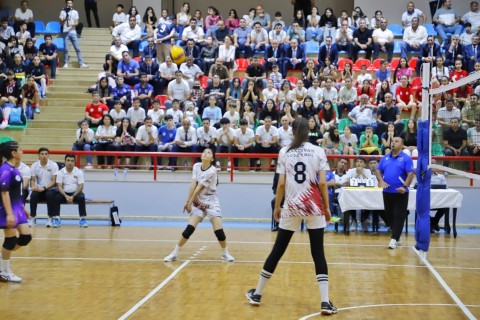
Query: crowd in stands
x,y
258,72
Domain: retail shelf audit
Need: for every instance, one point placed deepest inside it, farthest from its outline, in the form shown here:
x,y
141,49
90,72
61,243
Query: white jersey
x,y
207,198
301,168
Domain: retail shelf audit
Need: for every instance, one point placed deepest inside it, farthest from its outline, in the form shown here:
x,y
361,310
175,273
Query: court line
x,y
154,291
384,305
240,242
445,286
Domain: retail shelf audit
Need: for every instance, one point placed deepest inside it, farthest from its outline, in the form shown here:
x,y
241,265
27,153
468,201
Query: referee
x,y
394,174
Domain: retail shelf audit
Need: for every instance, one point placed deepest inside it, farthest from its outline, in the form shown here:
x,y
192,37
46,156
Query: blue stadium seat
x,y
39,26
397,44
312,47
430,29
142,45
53,27
59,42
396,29
39,41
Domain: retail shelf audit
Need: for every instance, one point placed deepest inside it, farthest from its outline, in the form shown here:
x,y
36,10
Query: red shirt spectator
x,y
404,93
95,110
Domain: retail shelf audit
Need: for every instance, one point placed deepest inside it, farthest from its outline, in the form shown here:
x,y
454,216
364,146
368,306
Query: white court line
x,y
382,306
154,291
237,242
445,286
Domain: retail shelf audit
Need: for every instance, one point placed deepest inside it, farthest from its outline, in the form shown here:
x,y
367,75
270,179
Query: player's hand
x,y
187,207
10,221
276,214
401,190
384,185
328,216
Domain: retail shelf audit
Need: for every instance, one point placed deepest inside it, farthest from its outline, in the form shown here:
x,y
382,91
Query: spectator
x,y
31,95
225,137
467,36
232,21
387,139
473,139
125,139
331,141
70,182
185,138
85,141
472,17
327,51
298,95
362,116
143,91
122,93
243,142
117,113
128,68
294,58
193,32
5,33
183,17
95,111
149,67
146,139
150,50
118,18
388,113
362,38
226,52
166,140
271,112
133,13
23,34
258,38
440,71
299,18
344,39
37,70
285,133
118,48
105,92
455,52
91,6
330,92
405,98
212,18
130,34
287,111
347,97
472,53
409,137
24,15
309,73
327,117
208,54
248,114
69,18
105,136
270,92
255,72
315,136
136,114
348,143
232,115
470,112
266,138
369,142
295,32
167,71
176,113
43,186
29,50
376,20
177,89
448,21
383,40
48,55
414,36
212,111
206,135
193,51
412,13
316,93
262,17
328,24
428,53
279,35
357,16
234,93
191,71
220,70
455,140
241,39
156,113
149,21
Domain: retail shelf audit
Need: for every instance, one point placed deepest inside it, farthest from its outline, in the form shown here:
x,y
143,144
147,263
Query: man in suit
x,y
328,50
454,52
273,55
472,53
428,53
191,50
294,58
150,68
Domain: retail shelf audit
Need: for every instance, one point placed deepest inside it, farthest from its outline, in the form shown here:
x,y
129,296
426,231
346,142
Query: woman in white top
x,y
375,22
105,134
312,23
440,70
344,16
348,143
250,17
85,137
270,92
183,17
117,112
227,52
133,12
297,95
202,202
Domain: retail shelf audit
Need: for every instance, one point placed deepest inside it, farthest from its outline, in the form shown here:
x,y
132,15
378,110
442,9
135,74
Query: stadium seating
x,y
430,29
341,63
53,27
60,43
396,29
242,64
39,26
394,64
361,62
312,47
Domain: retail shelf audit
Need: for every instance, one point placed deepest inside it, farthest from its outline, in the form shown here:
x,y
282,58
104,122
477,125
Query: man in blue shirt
x,y
128,68
166,137
143,91
241,39
48,55
394,175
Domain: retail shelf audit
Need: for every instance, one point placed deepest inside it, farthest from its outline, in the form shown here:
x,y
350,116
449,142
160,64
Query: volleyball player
x,y
13,216
302,181
202,202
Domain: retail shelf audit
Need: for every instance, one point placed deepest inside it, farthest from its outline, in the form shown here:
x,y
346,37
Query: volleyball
x,y
178,55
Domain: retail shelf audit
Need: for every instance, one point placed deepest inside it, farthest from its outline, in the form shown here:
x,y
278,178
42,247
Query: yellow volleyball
x,y
178,55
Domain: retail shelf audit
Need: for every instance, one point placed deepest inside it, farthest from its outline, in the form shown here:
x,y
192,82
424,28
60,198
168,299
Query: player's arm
x,y
323,187
279,196
191,191
7,204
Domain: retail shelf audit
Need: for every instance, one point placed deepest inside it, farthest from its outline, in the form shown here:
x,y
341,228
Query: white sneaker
x,y
37,109
65,66
393,244
353,226
32,222
8,276
4,124
227,257
171,257
49,223
88,166
84,66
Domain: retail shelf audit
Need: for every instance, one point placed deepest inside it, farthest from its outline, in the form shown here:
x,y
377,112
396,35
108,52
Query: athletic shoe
x,y
365,225
253,298
4,124
57,223
49,222
83,223
328,308
88,166
171,257
393,244
227,257
37,109
84,66
8,276
65,66
353,226
32,221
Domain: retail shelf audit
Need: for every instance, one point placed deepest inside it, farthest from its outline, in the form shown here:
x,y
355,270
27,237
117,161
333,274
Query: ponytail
x,y
300,132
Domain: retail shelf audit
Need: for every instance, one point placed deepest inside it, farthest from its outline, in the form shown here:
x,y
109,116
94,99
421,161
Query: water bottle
x,y
125,171
115,174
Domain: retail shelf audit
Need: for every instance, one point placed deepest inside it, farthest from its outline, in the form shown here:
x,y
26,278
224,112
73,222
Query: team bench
x,y
110,203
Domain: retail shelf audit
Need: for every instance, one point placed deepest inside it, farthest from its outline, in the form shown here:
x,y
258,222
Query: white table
x,y
354,198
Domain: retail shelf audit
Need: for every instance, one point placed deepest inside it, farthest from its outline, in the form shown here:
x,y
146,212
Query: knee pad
x,y
188,231
24,239
9,243
220,235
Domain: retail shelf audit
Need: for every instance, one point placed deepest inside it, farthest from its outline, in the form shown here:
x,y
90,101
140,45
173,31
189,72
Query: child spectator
x,y
119,17
156,113
117,113
276,76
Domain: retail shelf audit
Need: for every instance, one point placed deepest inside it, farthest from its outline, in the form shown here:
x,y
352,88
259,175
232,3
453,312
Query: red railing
x,y
229,156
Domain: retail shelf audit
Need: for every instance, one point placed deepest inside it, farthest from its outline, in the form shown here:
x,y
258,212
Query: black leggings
x,y
281,244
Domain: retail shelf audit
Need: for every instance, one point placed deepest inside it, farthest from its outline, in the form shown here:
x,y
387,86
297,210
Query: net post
x,y
427,109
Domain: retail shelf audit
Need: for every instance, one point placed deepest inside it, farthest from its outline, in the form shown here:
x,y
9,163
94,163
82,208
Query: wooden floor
x,y
105,273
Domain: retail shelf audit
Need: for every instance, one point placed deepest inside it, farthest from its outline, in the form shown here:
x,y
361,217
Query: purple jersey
x,y
11,181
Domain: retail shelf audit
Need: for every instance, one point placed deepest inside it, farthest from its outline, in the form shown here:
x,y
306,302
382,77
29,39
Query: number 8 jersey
x,y
301,168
